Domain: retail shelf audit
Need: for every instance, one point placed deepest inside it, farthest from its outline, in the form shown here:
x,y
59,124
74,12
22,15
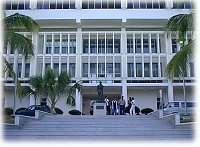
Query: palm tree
x,y
181,23
13,25
54,87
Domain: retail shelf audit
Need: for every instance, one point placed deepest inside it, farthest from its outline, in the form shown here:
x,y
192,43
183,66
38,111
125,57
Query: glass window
x,y
104,4
64,46
85,70
19,70
91,4
130,69
138,69
137,45
117,45
57,46
14,5
142,5
153,46
21,5
109,46
192,70
162,5
149,4
129,4
84,5
117,69
39,4
63,67
174,46
46,5
8,5
72,45
145,46
146,70
59,4
117,4
155,4
56,69
111,4
27,70
85,46
93,46
93,68
101,46
101,69
72,67
47,66
109,67
155,69
136,5
97,4
130,45
48,46
72,4
52,4
65,4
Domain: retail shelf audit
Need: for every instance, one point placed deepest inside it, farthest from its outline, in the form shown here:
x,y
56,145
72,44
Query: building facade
x,y
121,43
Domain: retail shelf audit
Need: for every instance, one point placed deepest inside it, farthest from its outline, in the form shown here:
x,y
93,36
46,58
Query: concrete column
x,y
78,52
170,92
78,101
123,52
31,100
124,91
23,67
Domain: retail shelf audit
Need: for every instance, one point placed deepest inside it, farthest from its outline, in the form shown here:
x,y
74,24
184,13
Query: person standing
x,y
129,104
114,107
132,110
122,105
107,105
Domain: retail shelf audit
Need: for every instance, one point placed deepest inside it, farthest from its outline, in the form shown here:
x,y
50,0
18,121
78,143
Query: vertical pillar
x,y
170,92
78,53
78,101
124,91
123,52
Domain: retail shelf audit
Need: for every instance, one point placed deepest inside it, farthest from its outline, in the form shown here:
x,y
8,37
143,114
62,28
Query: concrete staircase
x,y
99,128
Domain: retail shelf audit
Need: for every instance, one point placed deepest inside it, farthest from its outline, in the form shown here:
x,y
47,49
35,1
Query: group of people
x,y
112,106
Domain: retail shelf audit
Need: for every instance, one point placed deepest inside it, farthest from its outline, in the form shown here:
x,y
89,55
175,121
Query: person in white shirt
x,y
132,110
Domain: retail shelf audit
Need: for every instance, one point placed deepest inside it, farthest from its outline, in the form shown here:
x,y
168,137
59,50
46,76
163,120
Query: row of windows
x,y
108,70
96,4
65,43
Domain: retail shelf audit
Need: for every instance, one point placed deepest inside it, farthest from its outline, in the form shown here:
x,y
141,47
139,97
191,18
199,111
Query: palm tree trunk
x,y
184,96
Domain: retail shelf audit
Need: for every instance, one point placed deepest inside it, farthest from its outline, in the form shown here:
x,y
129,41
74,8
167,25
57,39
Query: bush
x,y
146,111
58,111
137,110
74,112
8,111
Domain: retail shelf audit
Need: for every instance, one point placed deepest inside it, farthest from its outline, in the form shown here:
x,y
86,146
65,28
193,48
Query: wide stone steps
x,y
62,127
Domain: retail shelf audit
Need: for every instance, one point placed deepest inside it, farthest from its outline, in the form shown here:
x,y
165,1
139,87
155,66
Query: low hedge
x,y
58,111
146,111
8,111
74,112
137,110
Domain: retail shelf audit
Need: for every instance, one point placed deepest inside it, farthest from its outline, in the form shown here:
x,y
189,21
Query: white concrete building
x,y
119,42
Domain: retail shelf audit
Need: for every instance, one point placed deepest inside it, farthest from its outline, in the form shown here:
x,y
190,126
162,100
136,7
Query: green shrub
x,y
58,111
137,110
74,112
146,111
8,111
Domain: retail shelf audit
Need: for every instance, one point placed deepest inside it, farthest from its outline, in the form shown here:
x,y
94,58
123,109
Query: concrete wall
x,y
146,98
178,94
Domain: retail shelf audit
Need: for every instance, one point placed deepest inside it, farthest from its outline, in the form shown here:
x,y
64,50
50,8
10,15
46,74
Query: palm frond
x,y
180,23
7,68
178,64
17,22
19,42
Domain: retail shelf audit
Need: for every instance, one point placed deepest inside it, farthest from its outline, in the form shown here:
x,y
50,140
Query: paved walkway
x,y
99,128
